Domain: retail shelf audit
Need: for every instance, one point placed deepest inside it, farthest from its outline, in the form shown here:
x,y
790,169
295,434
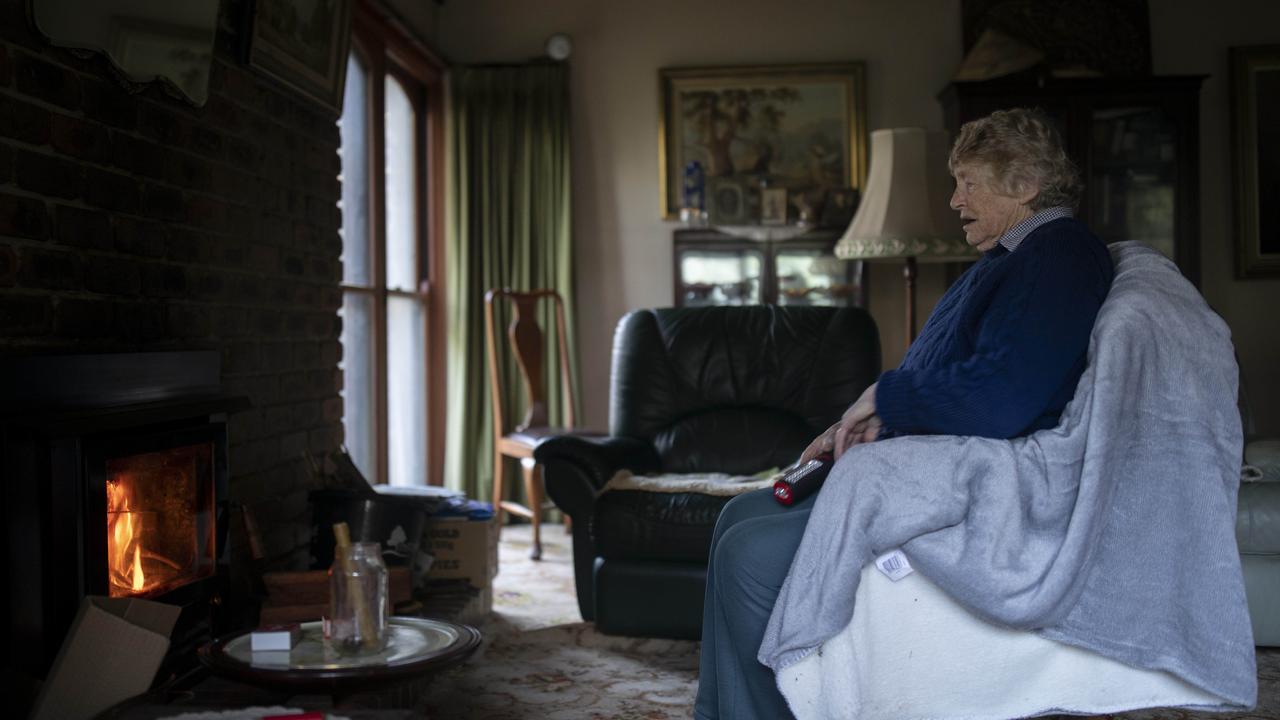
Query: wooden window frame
x,y
387,49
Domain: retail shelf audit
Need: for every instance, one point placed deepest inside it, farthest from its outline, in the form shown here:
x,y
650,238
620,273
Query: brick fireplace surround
x,y
132,221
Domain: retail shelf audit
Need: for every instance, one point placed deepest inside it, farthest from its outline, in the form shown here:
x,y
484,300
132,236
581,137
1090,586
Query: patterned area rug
x,y
539,659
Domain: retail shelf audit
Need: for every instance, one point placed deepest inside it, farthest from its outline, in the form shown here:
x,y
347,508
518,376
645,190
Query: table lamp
x,y
905,211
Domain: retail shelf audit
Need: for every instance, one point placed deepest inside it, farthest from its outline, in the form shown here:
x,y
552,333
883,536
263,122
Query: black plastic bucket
x,y
396,523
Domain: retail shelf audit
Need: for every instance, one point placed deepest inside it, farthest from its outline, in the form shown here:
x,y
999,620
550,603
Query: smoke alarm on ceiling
x,y
559,46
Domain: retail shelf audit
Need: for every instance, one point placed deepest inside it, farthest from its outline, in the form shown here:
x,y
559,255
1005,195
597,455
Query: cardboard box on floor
x,y
463,548
110,654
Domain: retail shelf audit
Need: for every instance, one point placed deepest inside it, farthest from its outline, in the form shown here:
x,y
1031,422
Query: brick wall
x,y
132,221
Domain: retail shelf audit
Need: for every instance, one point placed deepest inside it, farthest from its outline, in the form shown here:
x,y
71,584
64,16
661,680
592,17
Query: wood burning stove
x,y
115,475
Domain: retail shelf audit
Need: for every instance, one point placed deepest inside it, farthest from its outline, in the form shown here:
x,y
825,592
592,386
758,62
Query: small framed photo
x,y
838,207
729,202
773,206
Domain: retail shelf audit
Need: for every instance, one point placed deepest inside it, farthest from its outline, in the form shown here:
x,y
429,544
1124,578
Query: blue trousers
x,y
751,550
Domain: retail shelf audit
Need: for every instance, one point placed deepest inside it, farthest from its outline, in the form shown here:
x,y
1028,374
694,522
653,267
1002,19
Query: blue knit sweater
x,y
1001,353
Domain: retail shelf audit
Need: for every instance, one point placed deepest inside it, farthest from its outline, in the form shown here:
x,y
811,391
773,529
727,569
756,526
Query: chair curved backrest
x,y
528,344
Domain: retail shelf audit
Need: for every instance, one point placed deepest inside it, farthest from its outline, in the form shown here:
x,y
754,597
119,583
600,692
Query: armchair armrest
x,y
576,468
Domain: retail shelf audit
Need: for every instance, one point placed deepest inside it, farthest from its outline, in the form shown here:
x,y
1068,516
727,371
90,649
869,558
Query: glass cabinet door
x,y
720,276
815,277
1133,176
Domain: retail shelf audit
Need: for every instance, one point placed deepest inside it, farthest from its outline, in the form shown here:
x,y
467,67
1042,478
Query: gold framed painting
x,y
1255,140
303,44
797,127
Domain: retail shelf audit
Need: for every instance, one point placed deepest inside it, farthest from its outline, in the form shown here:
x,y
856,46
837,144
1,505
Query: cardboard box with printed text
x,y
463,548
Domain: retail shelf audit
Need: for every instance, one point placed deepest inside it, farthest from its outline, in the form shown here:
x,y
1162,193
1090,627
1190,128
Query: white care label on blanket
x,y
894,565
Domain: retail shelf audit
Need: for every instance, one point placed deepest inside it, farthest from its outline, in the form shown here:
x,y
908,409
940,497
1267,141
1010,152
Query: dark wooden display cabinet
x,y
712,267
1136,141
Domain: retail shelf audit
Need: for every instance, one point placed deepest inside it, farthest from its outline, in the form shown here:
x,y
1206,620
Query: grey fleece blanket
x,y
1113,532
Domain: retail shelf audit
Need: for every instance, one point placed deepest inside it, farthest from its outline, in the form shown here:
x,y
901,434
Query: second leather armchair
x,y
736,390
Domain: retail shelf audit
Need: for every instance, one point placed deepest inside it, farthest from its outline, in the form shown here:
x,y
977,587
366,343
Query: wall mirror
x,y
145,39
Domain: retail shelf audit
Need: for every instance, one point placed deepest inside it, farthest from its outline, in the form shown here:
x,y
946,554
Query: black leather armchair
x,y
720,389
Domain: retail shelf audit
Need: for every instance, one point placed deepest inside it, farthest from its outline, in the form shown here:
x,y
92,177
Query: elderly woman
x,y
999,357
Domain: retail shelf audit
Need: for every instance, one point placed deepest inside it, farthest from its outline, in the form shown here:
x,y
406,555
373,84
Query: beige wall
x,y
910,48
1190,37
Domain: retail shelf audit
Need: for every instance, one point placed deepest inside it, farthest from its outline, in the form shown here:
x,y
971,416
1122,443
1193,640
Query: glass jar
x,y
358,599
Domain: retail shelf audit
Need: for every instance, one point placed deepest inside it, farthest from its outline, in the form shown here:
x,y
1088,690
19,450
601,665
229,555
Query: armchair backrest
x,y
737,389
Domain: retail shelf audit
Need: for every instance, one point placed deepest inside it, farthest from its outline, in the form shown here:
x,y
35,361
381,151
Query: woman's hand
x,y
860,424
826,442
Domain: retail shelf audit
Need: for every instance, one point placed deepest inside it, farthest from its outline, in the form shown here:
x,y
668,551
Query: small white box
x,y
275,637
270,658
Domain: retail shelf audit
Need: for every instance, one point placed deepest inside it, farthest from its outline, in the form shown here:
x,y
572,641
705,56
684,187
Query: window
x,y
392,354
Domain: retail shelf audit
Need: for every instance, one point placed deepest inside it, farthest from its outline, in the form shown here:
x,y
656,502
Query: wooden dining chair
x,y
526,340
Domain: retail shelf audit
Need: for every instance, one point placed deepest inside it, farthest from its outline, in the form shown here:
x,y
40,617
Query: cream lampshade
x,y
905,211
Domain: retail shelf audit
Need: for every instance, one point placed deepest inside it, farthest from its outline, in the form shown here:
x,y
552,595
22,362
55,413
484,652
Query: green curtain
x,y
507,225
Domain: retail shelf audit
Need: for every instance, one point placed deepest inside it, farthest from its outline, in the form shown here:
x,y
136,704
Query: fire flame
x,y
138,579
124,530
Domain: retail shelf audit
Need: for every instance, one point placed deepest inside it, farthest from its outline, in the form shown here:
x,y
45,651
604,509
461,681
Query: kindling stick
x,y
343,555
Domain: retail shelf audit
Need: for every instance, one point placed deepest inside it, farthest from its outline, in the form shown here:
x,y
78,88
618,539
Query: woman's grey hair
x,y
1022,148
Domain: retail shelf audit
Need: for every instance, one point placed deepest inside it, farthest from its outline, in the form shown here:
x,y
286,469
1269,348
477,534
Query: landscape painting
x,y
798,128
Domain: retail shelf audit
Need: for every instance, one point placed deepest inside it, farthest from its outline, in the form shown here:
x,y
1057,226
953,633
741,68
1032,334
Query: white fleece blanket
x,y
915,654
1113,532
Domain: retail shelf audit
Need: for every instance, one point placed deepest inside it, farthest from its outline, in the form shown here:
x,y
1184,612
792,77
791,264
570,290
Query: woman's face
x,y
985,213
